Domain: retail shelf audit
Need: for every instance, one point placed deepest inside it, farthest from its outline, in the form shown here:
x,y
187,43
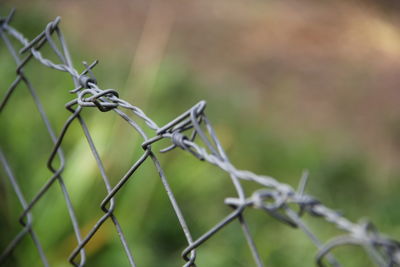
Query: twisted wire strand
x,y
275,198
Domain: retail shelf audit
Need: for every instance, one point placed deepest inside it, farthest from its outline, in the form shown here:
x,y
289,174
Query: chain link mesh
x,y
191,132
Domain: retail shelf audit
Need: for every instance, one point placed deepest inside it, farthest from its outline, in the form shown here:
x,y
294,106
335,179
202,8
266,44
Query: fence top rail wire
x,y
191,132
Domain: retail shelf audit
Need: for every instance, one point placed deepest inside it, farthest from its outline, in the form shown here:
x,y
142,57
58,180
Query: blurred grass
x,y
344,178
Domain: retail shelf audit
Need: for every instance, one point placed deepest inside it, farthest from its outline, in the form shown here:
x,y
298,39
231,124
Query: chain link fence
x,y
191,132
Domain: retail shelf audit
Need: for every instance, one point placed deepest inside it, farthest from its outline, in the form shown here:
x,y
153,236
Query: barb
x,y
191,132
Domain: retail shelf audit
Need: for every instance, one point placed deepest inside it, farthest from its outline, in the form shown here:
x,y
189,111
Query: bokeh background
x,y
290,86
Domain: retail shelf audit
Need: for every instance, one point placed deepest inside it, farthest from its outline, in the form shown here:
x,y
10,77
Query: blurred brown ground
x,y
329,67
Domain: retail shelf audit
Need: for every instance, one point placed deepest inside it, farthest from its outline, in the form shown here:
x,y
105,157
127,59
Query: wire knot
x,y
179,140
84,81
307,203
96,99
272,202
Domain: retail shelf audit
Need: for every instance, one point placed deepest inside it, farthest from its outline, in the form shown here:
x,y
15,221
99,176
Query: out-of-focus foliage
x,y
343,173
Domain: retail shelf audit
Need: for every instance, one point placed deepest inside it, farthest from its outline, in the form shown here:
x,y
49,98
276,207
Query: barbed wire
x,y
191,132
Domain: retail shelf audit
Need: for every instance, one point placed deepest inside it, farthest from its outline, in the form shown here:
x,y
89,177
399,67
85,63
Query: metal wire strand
x,y
191,132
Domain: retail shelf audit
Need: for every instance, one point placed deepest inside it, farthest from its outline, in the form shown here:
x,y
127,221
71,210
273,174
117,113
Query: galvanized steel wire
x,y
191,132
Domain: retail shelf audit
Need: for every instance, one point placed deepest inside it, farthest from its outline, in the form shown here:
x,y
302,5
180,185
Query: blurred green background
x,y
289,86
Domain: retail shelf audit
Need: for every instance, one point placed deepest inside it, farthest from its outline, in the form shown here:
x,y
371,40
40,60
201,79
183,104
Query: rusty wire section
x,y
191,132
